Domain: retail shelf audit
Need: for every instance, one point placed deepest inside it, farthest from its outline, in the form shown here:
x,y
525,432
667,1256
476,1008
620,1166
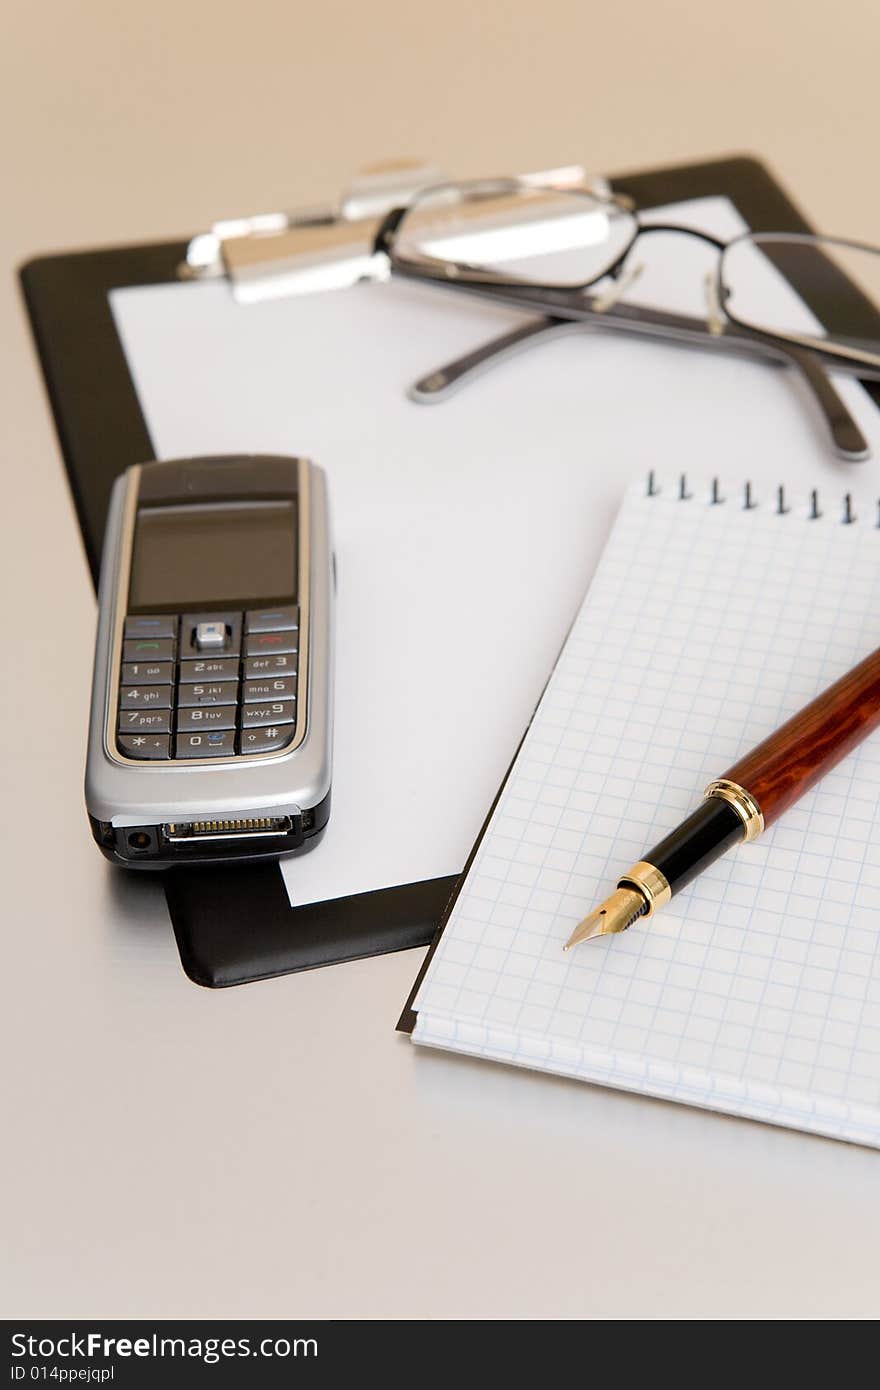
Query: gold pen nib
x,y
614,915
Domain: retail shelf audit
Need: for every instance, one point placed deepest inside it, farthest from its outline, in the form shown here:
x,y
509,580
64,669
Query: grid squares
x,y
758,990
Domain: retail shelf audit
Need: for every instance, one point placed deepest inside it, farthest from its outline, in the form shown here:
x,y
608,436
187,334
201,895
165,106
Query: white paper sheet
x,y
466,532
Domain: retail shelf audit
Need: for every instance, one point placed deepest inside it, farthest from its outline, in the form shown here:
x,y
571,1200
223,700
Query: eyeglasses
x,y
569,254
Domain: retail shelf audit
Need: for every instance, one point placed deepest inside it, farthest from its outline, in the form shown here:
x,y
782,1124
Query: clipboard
x,y
102,430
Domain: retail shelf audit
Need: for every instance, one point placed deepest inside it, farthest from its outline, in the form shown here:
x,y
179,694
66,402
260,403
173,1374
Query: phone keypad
x,y
208,685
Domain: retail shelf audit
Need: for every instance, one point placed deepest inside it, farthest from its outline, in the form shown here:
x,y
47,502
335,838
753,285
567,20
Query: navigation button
x,y
213,744
278,712
148,747
211,634
210,637
272,619
206,717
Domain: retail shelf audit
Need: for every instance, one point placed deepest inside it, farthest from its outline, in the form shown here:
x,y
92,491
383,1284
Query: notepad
x,y
715,614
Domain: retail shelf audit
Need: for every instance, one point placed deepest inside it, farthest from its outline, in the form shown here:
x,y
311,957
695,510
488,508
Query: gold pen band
x,y
743,803
650,882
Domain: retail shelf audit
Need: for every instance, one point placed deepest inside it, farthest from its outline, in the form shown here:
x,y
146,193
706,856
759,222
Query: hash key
x,y
268,740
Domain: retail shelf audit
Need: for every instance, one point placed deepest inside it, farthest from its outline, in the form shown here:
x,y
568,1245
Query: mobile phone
x,y
211,717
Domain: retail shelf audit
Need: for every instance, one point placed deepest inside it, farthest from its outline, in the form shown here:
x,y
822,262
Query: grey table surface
x,y
277,1150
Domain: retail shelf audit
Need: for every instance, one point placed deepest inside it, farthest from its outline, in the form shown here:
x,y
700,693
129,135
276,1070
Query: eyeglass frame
x,y
565,307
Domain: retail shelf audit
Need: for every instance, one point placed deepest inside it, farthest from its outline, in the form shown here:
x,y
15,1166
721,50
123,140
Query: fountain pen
x,y
747,798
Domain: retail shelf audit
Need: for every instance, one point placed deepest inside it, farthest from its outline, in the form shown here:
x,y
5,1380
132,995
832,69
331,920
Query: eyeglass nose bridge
x,y
645,228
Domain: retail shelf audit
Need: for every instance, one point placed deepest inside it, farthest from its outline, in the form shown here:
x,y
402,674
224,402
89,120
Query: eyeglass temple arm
x,y
848,439
444,381
846,435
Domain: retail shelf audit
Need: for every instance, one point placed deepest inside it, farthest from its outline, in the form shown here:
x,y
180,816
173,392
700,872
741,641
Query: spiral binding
x,y
749,502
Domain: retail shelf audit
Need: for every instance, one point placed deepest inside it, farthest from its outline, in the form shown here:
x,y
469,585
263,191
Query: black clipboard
x,y
237,925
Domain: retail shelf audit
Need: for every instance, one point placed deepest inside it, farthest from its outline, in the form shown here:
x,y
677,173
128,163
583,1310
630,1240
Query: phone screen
x,y
216,554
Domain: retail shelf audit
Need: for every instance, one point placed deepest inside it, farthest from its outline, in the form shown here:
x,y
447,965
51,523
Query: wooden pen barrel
x,y
782,768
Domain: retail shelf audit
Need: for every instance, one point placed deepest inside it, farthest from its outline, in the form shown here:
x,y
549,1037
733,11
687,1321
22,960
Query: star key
x,y
144,747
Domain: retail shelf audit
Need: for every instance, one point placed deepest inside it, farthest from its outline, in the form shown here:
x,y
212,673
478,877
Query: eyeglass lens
x,y
540,236
815,290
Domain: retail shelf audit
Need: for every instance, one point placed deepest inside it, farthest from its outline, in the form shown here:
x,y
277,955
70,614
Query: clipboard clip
x,y
276,254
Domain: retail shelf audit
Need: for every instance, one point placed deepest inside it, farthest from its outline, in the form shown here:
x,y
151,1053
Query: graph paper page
x,y
758,989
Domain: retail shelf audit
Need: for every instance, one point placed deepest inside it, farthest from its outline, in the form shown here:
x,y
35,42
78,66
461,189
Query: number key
x,y
209,668
207,693
145,697
282,665
152,721
273,688
278,712
206,717
213,744
148,672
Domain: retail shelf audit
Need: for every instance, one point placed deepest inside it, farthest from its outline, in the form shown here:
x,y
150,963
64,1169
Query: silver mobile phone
x,y
211,719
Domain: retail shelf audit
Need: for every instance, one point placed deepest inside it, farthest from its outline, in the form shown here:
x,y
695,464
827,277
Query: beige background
x,y
139,1178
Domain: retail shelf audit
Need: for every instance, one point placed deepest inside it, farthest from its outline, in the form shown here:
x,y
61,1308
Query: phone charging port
x,y
246,828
